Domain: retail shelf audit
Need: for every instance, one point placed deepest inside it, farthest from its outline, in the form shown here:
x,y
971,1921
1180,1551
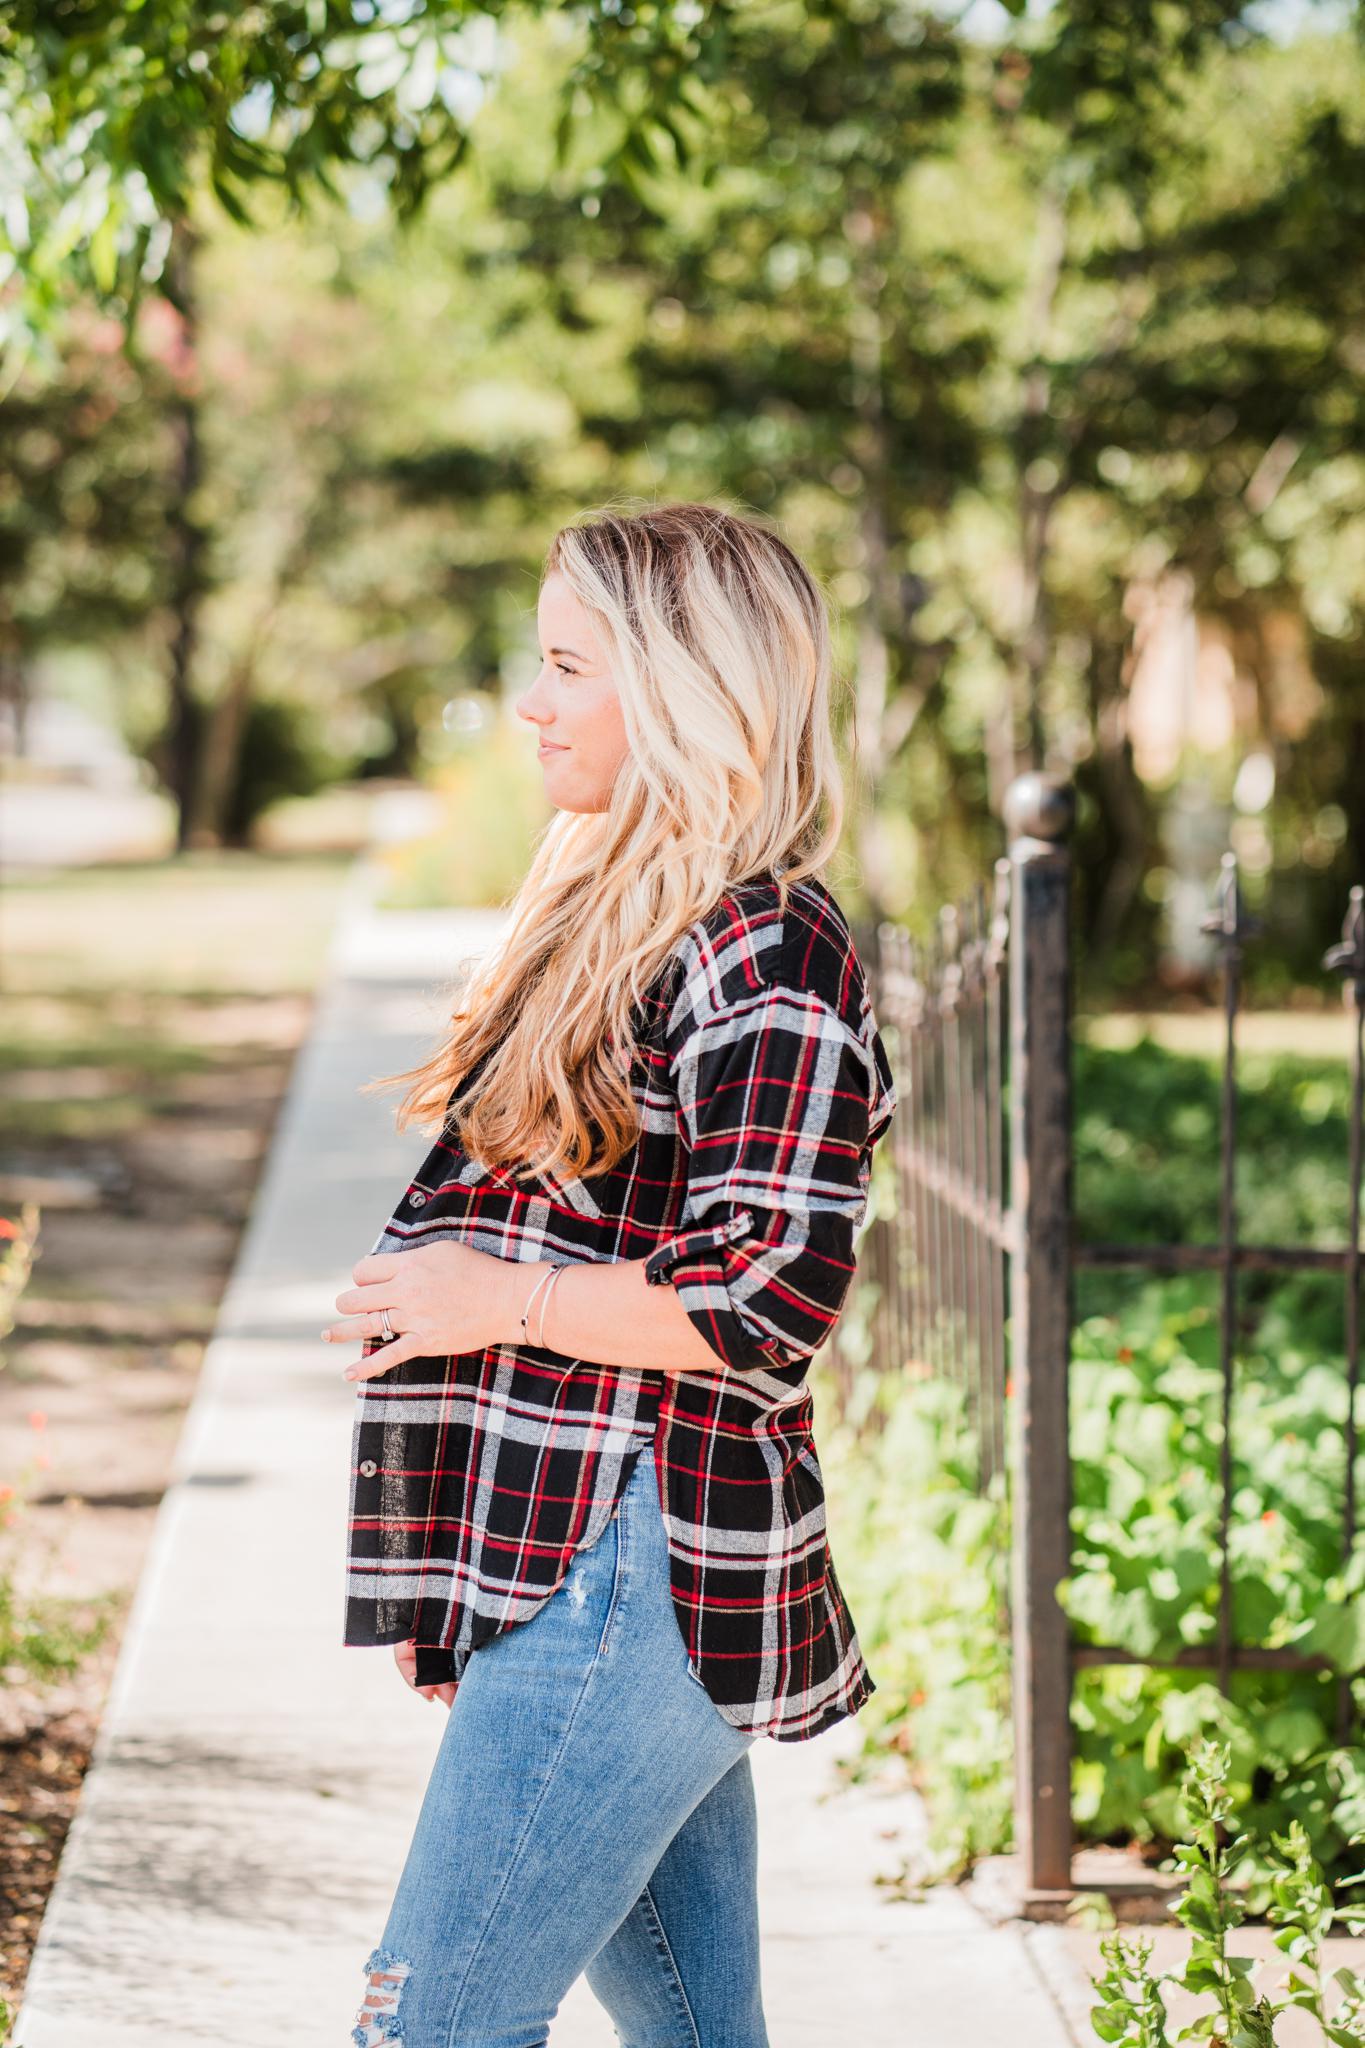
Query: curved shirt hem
x,y
444,1664
785,1731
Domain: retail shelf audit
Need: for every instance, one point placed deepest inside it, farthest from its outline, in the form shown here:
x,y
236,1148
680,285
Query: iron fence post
x,y
1039,810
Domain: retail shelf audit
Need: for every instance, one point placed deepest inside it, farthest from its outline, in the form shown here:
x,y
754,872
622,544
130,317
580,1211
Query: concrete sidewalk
x,y
255,1783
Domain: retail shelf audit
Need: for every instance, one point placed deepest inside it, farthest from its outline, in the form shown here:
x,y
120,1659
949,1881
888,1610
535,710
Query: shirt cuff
x,y
693,1263
660,1262
433,1665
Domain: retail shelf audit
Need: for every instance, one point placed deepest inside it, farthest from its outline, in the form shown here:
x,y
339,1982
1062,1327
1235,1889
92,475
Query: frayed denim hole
x,y
378,2018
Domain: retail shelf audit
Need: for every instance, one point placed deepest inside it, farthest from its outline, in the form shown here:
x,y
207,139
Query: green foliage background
x,y
1020,325
923,1554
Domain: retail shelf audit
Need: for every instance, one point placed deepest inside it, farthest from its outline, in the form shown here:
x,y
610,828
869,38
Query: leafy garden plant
x,y
1146,1388
1239,2012
921,1554
924,1551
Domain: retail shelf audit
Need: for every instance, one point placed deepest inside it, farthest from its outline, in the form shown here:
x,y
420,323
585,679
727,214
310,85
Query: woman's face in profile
x,y
573,705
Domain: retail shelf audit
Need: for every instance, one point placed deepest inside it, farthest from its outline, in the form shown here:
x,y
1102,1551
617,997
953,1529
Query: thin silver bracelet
x,y
545,1303
547,1275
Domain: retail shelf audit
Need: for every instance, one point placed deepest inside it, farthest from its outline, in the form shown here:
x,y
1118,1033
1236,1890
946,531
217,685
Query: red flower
x,y
1125,1356
8,1229
1009,1390
1270,1516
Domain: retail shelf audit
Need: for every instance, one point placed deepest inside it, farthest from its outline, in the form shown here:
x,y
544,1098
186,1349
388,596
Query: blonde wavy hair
x,y
718,640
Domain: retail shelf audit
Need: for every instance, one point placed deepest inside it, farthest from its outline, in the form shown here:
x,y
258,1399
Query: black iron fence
x,y
975,1267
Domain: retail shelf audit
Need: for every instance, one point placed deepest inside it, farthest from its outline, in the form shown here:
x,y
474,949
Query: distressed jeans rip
x,y
378,2019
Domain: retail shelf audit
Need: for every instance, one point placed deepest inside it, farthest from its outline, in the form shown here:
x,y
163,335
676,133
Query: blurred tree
x,y
1203,409
81,513
118,118
1040,344
902,294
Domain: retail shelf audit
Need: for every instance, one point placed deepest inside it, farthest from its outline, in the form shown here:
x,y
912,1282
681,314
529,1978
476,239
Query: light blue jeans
x,y
589,1810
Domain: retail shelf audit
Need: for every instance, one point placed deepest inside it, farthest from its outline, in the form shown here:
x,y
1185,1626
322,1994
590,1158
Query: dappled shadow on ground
x,y
175,1844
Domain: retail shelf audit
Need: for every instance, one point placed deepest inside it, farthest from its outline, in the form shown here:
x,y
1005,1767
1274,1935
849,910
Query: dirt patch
x,y
145,1178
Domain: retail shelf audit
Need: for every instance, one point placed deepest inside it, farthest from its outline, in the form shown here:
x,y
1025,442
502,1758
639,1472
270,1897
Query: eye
x,y
565,671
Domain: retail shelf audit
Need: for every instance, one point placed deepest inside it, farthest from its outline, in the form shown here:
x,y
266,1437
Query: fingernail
x,y
324,1334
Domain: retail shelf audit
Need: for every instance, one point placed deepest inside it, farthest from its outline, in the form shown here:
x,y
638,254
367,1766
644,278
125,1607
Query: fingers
x,y
405,1657
375,1266
355,1328
379,1361
359,1301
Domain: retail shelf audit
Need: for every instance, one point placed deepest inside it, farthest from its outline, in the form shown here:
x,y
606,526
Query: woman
x,y
582,1447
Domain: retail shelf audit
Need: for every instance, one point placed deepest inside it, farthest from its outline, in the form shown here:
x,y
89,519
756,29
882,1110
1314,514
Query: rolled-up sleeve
x,y
780,1103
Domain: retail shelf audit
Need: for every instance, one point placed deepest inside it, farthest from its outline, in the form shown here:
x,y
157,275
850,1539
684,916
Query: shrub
x,y
1131,2011
921,1554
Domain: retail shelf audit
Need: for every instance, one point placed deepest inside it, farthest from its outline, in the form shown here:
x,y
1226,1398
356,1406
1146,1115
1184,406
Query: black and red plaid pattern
x,y
763,1087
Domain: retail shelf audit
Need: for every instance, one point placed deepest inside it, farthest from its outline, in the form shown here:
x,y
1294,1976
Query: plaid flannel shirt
x,y
763,1086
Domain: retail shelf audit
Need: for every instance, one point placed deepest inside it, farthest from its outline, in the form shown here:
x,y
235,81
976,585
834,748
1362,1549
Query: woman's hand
x,y
405,1657
441,1298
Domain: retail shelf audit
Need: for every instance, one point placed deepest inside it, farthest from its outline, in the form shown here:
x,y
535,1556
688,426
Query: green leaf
x,y
1338,1633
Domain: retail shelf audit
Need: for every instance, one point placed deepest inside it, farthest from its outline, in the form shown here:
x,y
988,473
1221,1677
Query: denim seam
x,y
661,1943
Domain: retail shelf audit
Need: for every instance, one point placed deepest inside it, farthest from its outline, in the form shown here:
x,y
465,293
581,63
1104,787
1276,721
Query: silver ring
x,y
386,1327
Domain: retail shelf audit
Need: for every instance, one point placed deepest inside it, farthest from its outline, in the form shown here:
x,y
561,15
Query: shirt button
x,y
417,1199
369,1468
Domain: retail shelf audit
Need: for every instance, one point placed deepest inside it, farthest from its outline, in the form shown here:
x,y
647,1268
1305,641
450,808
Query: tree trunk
x,y
1125,805
14,684
186,538
1037,496
867,230
219,756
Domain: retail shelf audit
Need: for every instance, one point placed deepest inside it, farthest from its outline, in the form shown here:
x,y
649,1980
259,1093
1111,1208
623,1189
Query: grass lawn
x,y
206,923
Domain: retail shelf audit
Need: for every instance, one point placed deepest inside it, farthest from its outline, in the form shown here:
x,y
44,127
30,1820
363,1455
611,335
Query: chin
x,y
565,797
579,809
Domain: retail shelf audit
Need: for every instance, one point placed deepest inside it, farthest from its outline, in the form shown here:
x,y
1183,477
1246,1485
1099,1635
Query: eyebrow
x,y
569,650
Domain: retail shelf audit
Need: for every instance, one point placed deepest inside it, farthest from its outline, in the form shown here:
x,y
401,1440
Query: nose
x,y
528,706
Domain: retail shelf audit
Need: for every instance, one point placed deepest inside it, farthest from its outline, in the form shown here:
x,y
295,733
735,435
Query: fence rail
x,y
975,1269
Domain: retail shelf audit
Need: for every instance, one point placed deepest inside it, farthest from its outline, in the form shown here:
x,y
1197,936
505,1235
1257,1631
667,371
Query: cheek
x,y
607,734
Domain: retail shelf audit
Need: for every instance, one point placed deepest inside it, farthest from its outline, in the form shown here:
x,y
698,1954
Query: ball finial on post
x,y
1039,806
